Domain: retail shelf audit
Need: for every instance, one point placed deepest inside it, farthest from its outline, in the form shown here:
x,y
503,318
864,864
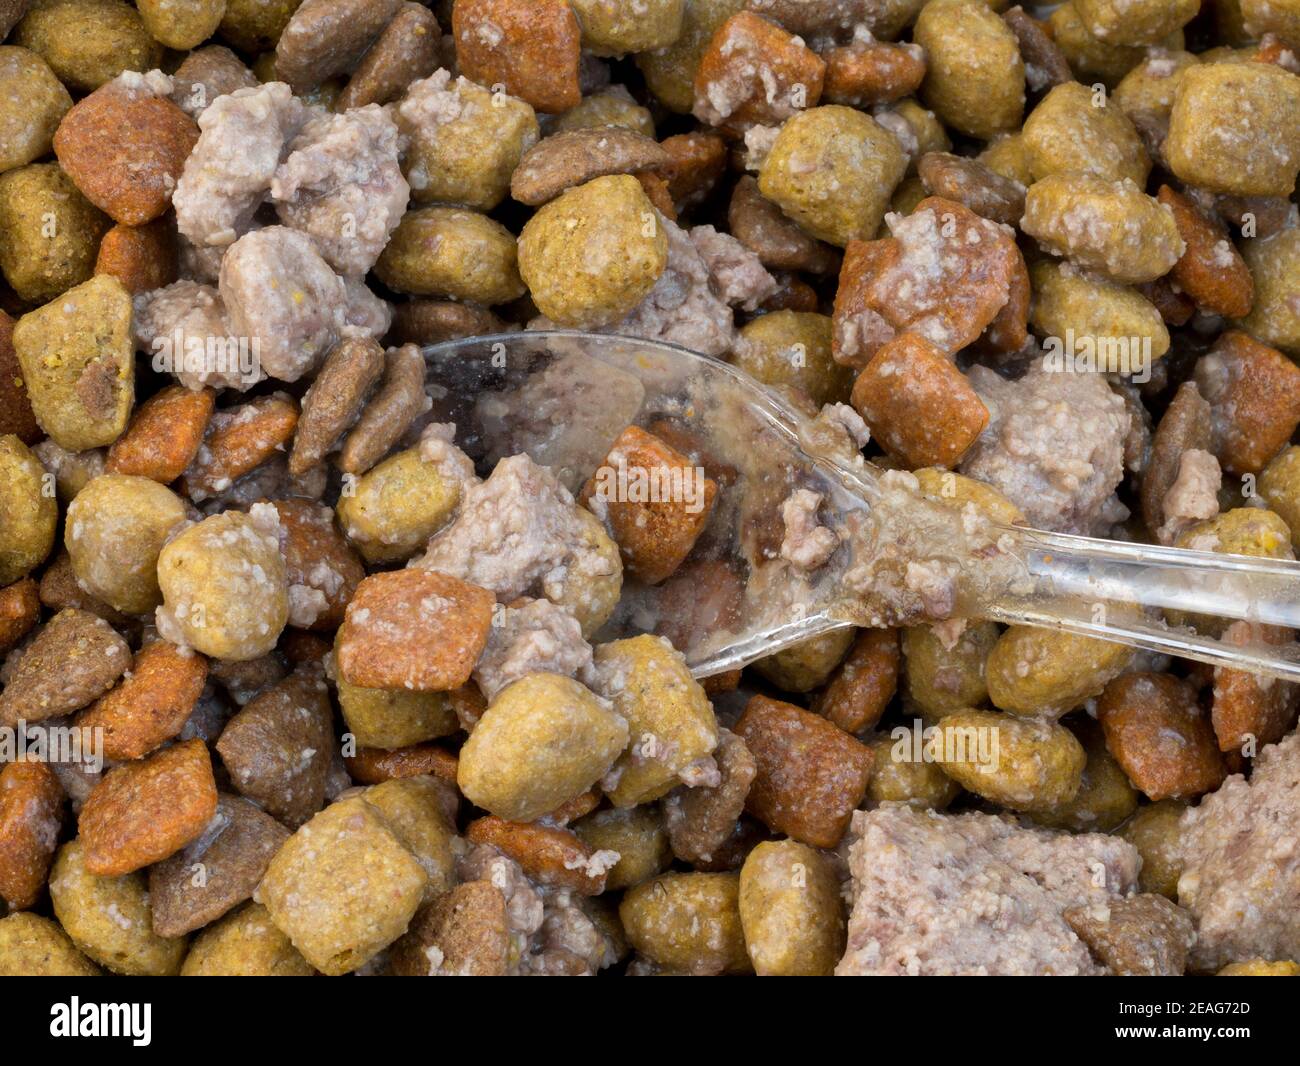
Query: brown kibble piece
x,y
164,435
575,157
532,47
16,415
335,399
317,560
413,629
1045,63
811,775
766,231
405,52
398,402
152,704
467,927
1211,270
328,37
238,440
876,72
372,766
1254,394
754,73
1249,710
72,660
142,258
145,811
698,161
1141,936
970,182
125,148
31,805
434,321
701,821
1185,426
215,872
1175,306
654,538
864,683
1158,734
265,747
59,590
547,854
919,406
20,609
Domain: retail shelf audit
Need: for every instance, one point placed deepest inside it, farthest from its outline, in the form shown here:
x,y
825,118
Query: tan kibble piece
x,y
542,741
1094,308
1156,731
343,887
1020,763
833,169
32,103
217,871
975,79
116,529
108,918
669,718
900,777
245,943
1041,672
78,361
1067,132
1261,968
591,255
277,749
791,911
532,47
1109,226
421,812
1105,798
224,586
549,855
31,808
32,946
448,251
73,659
145,811
807,664
150,706
688,922
393,718
395,507
1154,831
811,775
125,147
89,42
163,436
414,629
793,349
636,834
27,508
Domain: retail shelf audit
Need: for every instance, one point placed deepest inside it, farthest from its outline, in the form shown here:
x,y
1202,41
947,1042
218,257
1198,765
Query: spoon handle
x,y
1090,587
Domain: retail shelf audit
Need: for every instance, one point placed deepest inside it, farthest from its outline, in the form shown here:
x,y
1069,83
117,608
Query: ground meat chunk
x,y
524,639
1054,447
228,175
807,543
691,302
342,184
185,330
282,295
1194,495
517,533
971,894
1241,873
364,313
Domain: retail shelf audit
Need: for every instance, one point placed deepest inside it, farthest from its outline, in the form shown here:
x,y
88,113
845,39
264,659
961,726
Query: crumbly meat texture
x,y
245,136
536,636
707,274
1194,495
937,894
342,185
1241,872
280,294
518,533
1054,446
186,322
807,543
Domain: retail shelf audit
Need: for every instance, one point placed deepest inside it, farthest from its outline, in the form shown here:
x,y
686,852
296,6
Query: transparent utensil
x,y
563,398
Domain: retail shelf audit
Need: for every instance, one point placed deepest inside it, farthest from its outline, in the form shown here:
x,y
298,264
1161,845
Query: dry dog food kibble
x,y
356,665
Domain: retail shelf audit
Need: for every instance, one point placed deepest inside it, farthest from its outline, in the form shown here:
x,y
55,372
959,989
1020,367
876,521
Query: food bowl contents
x,y
324,651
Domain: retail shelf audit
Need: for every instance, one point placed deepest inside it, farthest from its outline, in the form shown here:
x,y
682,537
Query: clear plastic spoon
x,y
902,558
